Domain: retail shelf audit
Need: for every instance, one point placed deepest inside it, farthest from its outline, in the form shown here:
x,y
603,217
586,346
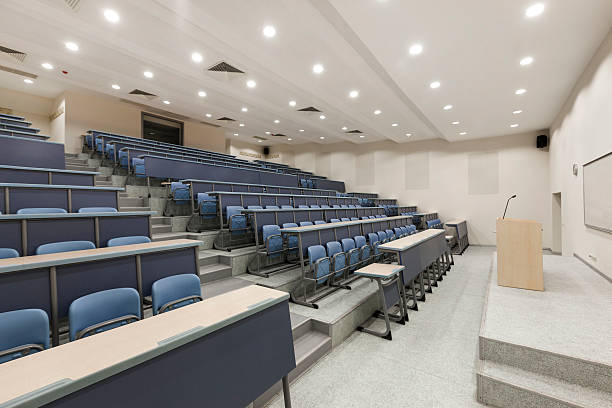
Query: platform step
x,y
161,220
166,236
79,167
221,286
214,272
131,202
104,183
125,209
156,229
504,386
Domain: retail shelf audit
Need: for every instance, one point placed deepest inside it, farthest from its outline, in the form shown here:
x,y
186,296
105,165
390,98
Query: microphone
x,y
507,202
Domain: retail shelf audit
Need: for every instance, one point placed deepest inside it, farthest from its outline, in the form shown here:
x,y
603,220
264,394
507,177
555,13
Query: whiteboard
x,y
597,190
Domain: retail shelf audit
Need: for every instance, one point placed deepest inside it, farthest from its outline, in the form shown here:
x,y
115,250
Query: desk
x,y
21,151
390,292
417,252
222,352
336,231
51,282
41,175
458,228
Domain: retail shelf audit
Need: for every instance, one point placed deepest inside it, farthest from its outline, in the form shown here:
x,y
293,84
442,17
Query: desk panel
x,y
25,290
41,231
158,265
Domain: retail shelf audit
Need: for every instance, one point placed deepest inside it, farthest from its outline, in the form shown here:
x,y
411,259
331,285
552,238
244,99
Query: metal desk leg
x,y
286,393
384,313
438,269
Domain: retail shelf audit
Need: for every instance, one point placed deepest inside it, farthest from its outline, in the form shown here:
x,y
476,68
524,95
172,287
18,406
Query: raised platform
x,y
550,348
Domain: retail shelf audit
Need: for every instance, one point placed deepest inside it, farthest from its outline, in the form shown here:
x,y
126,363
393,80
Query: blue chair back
x,y
180,192
272,207
292,240
86,210
131,240
207,205
302,206
41,210
138,165
175,291
318,222
360,242
287,207
343,219
235,219
65,246
272,239
322,271
24,332
390,235
101,311
305,223
8,253
339,262
254,207
334,220
314,206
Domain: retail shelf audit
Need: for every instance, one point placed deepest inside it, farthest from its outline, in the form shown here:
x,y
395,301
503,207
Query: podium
x,y
519,254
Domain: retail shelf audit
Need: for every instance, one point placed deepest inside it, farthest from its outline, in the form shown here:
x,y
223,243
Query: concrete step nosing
x,y
301,329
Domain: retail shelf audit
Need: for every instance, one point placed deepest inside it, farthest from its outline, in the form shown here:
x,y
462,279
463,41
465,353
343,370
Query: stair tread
x,y
546,385
308,343
204,269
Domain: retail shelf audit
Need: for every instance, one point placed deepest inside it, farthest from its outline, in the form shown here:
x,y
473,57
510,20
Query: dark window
x,y
162,129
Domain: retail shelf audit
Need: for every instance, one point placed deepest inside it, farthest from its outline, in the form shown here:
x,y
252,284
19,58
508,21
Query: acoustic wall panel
x,y
365,175
597,193
483,173
416,171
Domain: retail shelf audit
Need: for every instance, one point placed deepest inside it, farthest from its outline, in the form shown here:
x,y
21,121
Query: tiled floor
x,y
431,361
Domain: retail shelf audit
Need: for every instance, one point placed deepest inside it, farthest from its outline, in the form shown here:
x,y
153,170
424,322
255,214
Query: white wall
x,y
581,133
435,175
35,109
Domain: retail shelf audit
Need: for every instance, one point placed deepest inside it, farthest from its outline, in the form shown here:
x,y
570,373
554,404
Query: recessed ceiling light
x,y
115,86
46,65
111,15
208,115
301,130
251,84
267,133
322,117
148,74
520,91
196,57
455,122
463,133
289,139
72,46
434,85
259,141
415,49
517,112
241,125
235,134
292,103
526,61
354,94
276,121
28,81
394,124
244,109
514,125
377,112
408,134
318,68
448,107
321,137
269,31
167,102
344,128
361,136
201,94
534,10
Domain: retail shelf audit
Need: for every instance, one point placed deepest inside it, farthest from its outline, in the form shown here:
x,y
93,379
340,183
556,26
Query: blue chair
x,y
374,242
352,253
207,205
180,192
273,241
24,332
236,220
337,256
399,232
292,240
320,264
175,291
272,207
64,246
378,216
334,220
351,206
318,222
87,210
302,206
8,253
371,217
305,223
390,235
325,206
138,165
41,210
344,206
343,219
354,219
365,217
131,240
101,311
286,207
254,207
335,206
382,237
314,206
364,249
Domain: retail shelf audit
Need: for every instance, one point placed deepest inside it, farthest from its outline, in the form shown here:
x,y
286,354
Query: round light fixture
x,y
111,15
202,94
251,84
148,74
115,86
435,85
72,46
196,57
318,68
46,65
415,49
269,31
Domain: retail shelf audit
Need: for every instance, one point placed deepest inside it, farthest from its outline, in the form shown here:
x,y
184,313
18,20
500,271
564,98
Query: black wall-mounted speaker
x,y
542,141
266,150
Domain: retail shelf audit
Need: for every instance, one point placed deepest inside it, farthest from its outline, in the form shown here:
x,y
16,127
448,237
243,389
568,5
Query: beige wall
x,y
443,177
581,133
35,109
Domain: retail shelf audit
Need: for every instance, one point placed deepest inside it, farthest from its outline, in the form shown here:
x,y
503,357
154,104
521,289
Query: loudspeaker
x,y
542,141
266,150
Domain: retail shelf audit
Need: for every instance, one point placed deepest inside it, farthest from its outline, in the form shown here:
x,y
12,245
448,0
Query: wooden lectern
x,y
519,254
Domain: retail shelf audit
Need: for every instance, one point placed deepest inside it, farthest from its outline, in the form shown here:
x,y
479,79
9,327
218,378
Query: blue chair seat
x,y
8,253
41,210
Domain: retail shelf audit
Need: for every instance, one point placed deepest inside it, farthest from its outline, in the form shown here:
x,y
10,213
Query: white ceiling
x,y
473,47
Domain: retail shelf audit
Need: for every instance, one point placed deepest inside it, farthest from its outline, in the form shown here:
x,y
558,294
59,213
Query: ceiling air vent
x,y
225,118
259,138
73,4
278,135
145,94
354,131
17,72
225,67
18,55
309,109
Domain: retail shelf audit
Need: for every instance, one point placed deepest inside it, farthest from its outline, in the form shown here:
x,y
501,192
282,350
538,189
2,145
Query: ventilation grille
x,y
225,67
309,109
17,72
145,94
162,112
73,4
18,55
354,131
259,138
225,118
278,135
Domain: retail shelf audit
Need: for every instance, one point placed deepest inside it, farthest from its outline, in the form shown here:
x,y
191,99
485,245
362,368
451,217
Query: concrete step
x,y
221,286
104,184
214,272
103,178
131,202
124,194
79,167
126,209
165,236
504,386
156,229
161,220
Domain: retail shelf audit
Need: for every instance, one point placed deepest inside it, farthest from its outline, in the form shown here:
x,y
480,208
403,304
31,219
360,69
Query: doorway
x,y
557,224
162,129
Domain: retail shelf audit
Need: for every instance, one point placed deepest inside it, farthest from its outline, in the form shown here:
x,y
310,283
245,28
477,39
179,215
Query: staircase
x,y
78,164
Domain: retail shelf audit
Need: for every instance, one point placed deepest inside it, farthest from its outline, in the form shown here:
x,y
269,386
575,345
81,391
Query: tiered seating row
x,y
25,152
38,175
